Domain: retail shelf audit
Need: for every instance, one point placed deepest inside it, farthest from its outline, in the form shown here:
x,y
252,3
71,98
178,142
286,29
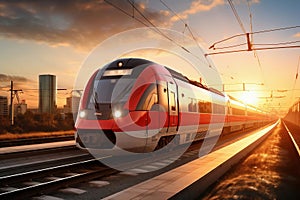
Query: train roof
x,y
130,63
179,76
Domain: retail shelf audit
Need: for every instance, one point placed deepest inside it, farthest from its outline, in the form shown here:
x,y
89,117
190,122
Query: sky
x,y
51,37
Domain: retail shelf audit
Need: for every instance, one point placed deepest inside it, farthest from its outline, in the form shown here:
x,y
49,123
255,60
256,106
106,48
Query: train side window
x,y
204,107
172,101
201,107
237,111
192,105
218,109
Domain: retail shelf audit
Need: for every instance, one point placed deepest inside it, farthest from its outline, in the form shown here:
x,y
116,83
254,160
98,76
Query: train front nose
x,y
126,131
96,139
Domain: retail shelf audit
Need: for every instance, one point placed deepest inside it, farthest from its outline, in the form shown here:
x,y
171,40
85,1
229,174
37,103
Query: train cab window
x,y
172,101
107,91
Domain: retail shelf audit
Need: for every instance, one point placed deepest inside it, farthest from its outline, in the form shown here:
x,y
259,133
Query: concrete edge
x,y
194,190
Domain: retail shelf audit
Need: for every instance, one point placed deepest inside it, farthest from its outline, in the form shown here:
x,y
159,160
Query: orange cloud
x,y
297,35
198,6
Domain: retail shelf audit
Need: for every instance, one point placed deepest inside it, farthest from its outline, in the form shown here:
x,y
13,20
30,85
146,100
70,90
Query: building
x,y
47,93
20,108
72,104
3,106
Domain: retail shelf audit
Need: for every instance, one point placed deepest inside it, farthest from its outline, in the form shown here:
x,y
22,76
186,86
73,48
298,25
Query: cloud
x,y
76,23
297,35
29,88
198,6
6,78
20,82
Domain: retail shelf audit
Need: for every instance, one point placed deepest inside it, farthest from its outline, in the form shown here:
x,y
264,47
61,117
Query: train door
x,y
173,107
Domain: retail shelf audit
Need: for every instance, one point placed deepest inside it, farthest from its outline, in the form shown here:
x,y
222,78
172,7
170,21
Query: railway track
x,y
31,183
50,179
294,140
14,163
42,181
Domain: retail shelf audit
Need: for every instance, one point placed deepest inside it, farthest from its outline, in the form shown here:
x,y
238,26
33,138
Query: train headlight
x,y
82,114
117,113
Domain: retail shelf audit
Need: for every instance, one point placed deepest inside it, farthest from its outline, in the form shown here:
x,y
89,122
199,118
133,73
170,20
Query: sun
x,y
249,98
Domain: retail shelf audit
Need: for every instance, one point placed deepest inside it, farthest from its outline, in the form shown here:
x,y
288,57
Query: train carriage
x,y
141,106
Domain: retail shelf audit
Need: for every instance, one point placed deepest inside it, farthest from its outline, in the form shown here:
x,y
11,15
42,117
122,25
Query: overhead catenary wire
x,y
250,20
274,44
236,16
170,9
251,41
164,35
151,25
253,33
126,13
231,46
258,49
276,29
186,26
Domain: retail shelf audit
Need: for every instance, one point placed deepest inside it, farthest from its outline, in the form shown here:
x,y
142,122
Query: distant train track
x,y
294,138
28,141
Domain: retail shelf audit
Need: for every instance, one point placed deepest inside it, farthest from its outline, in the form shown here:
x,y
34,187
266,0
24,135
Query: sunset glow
x,y
35,39
249,98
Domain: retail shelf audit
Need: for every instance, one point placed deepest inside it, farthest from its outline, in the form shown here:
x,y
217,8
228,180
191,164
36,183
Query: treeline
x,y
34,122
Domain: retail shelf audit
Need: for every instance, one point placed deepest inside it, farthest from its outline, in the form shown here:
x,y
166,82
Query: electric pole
x,y
13,93
11,113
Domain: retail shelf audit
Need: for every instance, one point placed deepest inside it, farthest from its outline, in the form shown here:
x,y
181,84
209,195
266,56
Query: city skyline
x,y
46,37
61,93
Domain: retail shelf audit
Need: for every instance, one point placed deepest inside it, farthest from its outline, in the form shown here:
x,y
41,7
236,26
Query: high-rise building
x,y
47,93
3,106
72,104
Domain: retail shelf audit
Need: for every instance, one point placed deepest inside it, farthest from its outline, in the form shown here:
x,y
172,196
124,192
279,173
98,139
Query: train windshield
x,y
111,90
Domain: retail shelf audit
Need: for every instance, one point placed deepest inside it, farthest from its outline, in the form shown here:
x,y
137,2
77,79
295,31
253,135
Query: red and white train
x,y
140,106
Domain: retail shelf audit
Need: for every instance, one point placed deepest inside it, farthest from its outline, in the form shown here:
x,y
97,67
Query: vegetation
x,y
34,122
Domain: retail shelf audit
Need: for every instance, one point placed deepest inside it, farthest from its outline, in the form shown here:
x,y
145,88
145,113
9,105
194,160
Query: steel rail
x,y
292,138
29,191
